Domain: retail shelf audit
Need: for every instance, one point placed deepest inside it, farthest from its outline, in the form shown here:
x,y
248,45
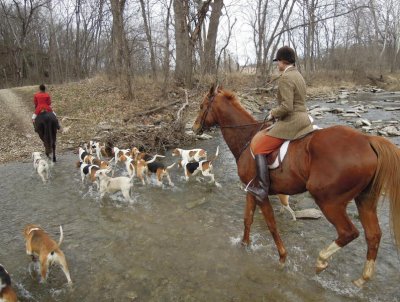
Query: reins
x,y
244,125
252,135
204,116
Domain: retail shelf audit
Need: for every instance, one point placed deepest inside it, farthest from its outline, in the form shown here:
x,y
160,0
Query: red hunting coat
x,y
42,102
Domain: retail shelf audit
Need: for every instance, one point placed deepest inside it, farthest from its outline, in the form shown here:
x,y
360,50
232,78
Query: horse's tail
x,y
387,179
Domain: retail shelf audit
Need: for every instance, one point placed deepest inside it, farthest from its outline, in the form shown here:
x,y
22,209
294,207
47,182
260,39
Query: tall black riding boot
x,y
261,191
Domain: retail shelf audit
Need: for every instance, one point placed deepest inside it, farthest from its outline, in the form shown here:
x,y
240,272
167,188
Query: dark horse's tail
x,y
46,125
387,179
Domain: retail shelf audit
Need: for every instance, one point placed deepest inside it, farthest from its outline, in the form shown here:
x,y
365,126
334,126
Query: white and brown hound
x,y
84,156
160,171
192,155
39,243
41,166
88,171
203,166
121,155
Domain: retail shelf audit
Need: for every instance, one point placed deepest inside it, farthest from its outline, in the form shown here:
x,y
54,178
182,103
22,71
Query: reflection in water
x,y
179,243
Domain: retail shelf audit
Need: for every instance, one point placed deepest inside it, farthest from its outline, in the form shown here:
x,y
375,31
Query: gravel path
x,y
18,139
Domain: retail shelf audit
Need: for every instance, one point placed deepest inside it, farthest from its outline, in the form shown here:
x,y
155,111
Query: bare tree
x,y
187,32
147,30
209,65
121,59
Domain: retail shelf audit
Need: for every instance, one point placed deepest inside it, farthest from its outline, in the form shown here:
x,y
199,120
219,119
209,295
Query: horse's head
x,y
206,115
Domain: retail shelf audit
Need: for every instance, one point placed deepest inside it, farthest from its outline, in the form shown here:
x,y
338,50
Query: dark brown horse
x,y
46,127
336,165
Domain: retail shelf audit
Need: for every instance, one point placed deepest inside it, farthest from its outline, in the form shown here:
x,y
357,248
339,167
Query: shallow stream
x,y
182,243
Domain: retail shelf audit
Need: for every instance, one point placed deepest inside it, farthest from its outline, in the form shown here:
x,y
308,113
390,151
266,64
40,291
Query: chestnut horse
x,y
335,164
46,127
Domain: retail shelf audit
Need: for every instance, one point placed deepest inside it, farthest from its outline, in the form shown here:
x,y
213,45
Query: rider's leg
x,y
261,145
33,122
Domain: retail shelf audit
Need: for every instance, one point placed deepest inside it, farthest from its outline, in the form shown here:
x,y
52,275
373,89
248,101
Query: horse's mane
x,y
234,100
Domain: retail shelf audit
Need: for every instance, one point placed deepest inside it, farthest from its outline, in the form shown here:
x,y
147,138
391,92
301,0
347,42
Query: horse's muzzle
x,y
197,129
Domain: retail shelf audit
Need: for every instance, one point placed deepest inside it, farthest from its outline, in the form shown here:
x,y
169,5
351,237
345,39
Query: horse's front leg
x,y
248,217
269,217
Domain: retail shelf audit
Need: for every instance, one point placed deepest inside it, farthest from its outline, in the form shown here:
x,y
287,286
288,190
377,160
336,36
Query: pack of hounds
x,y
97,164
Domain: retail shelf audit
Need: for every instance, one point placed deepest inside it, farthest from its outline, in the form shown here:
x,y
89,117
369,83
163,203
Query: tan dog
x,y
7,293
39,243
114,184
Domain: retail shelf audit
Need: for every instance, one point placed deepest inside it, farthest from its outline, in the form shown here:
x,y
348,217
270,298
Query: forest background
x,y
132,65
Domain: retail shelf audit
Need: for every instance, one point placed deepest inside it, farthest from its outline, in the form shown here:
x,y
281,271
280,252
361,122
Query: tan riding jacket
x,y
291,113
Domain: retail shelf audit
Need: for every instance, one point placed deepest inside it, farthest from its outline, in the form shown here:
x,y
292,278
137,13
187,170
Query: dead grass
x,y
98,108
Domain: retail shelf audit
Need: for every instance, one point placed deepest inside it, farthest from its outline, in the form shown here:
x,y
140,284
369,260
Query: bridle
x,y
205,113
204,116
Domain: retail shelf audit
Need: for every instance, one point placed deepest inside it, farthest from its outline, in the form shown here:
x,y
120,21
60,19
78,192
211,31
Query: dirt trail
x,y
18,137
17,108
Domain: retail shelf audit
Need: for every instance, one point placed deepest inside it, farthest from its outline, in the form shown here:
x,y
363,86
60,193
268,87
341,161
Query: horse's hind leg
x,y
54,151
367,210
284,199
248,217
335,212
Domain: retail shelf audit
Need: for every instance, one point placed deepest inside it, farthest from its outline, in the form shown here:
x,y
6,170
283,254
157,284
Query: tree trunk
x,y
121,56
183,66
117,9
149,40
166,51
211,41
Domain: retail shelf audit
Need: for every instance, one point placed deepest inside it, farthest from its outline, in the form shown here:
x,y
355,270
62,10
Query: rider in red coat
x,y
42,101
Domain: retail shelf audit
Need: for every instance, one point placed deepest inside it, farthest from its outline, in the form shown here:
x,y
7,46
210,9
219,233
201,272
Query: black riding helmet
x,y
287,54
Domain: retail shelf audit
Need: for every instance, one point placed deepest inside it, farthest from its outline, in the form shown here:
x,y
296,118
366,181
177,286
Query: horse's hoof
x,y
320,268
281,265
359,282
245,243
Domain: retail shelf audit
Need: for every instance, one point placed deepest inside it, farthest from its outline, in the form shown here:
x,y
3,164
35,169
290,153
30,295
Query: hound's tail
x,y
170,166
154,158
216,155
61,236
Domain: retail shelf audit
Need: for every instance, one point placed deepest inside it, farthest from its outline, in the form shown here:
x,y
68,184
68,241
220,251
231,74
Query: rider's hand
x,y
270,117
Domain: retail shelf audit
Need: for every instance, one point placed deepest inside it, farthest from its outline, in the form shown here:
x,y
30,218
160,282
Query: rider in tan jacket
x,y
291,119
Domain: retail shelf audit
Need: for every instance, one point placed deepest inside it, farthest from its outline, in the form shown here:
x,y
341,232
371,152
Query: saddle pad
x,y
282,152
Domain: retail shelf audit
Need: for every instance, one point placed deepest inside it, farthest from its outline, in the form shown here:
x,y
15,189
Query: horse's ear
x,y
217,88
212,90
